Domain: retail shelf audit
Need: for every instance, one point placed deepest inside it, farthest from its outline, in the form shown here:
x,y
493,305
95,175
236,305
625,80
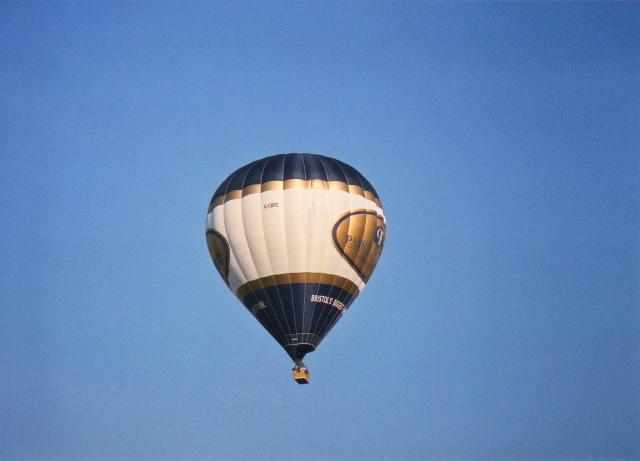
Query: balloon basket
x,y
301,375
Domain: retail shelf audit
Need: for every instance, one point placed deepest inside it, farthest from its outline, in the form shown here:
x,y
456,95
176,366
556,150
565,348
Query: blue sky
x,y
502,320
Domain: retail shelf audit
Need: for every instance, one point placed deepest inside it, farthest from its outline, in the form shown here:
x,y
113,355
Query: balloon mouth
x,y
298,351
298,345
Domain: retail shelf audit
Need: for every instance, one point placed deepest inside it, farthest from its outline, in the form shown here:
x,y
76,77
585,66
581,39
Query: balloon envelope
x,y
296,237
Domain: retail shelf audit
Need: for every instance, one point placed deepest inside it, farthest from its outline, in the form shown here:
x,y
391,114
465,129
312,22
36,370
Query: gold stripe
x,y
252,189
339,185
232,195
296,184
319,184
271,185
298,277
353,189
218,201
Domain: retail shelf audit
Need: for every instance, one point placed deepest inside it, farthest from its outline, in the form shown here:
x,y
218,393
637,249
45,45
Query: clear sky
x,y
503,319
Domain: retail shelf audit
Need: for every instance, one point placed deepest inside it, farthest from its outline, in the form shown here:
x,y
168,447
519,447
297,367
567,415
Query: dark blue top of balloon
x,y
292,166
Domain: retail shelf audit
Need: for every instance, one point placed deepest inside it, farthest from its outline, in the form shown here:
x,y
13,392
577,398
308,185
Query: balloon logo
x,y
219,250
296,237
356,238
379,235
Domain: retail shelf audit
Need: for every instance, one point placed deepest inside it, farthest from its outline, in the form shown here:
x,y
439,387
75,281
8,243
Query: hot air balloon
x,y
296,238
